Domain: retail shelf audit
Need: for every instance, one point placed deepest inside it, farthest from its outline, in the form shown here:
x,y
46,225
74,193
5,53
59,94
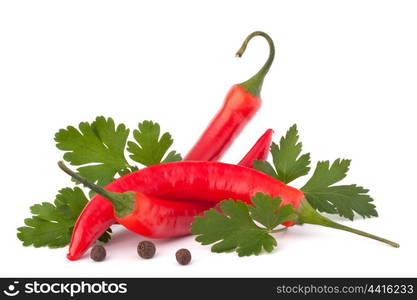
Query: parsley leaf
x,y
98,147
265,167
267,211
172,156
52,224
342,199
288,163
235,228
326,175
150,148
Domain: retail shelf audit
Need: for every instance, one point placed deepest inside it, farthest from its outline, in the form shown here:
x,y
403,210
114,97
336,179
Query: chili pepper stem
x,y
307,214
254,84
123,203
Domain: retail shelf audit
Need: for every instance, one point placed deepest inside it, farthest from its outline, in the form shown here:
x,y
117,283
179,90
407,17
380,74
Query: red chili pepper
x,y
199,182
180,191
240,105
259,151
98,214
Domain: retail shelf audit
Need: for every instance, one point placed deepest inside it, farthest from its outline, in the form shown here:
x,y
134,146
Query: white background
x,y
345,72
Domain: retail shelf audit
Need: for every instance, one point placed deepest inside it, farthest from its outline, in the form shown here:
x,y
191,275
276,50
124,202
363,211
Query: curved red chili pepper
x,y
240,105
170,195
98,214
201,182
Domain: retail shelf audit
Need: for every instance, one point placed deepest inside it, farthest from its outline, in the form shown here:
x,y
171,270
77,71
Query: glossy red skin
x,y
259,151
158,218
201,181
98,215
206,183
238,109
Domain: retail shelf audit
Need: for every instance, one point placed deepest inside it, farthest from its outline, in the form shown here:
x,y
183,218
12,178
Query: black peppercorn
x,y
98,253
183,256
146,249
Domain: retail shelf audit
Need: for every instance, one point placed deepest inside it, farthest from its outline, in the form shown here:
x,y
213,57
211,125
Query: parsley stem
x,y
331,224
307,214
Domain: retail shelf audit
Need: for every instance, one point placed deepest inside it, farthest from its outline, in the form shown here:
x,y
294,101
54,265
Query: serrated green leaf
x,y
286,157
73,200
236,231
150,148
48,211
269,212
128,170
325,175
343,200
172,156
100,174
40,233
234,228
97,147
265,167
288,162
51,224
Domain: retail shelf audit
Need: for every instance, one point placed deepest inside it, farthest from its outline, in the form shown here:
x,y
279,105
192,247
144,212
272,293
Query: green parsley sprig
x,y
234,228
344,200
320,190
288,162
241,227
51,224
98,150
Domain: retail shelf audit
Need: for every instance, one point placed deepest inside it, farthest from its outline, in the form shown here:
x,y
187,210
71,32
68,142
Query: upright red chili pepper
x,y
240,105
98,214
202,182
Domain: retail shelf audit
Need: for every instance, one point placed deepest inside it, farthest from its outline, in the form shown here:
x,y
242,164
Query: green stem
x,y
123,203
307,214
254,84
